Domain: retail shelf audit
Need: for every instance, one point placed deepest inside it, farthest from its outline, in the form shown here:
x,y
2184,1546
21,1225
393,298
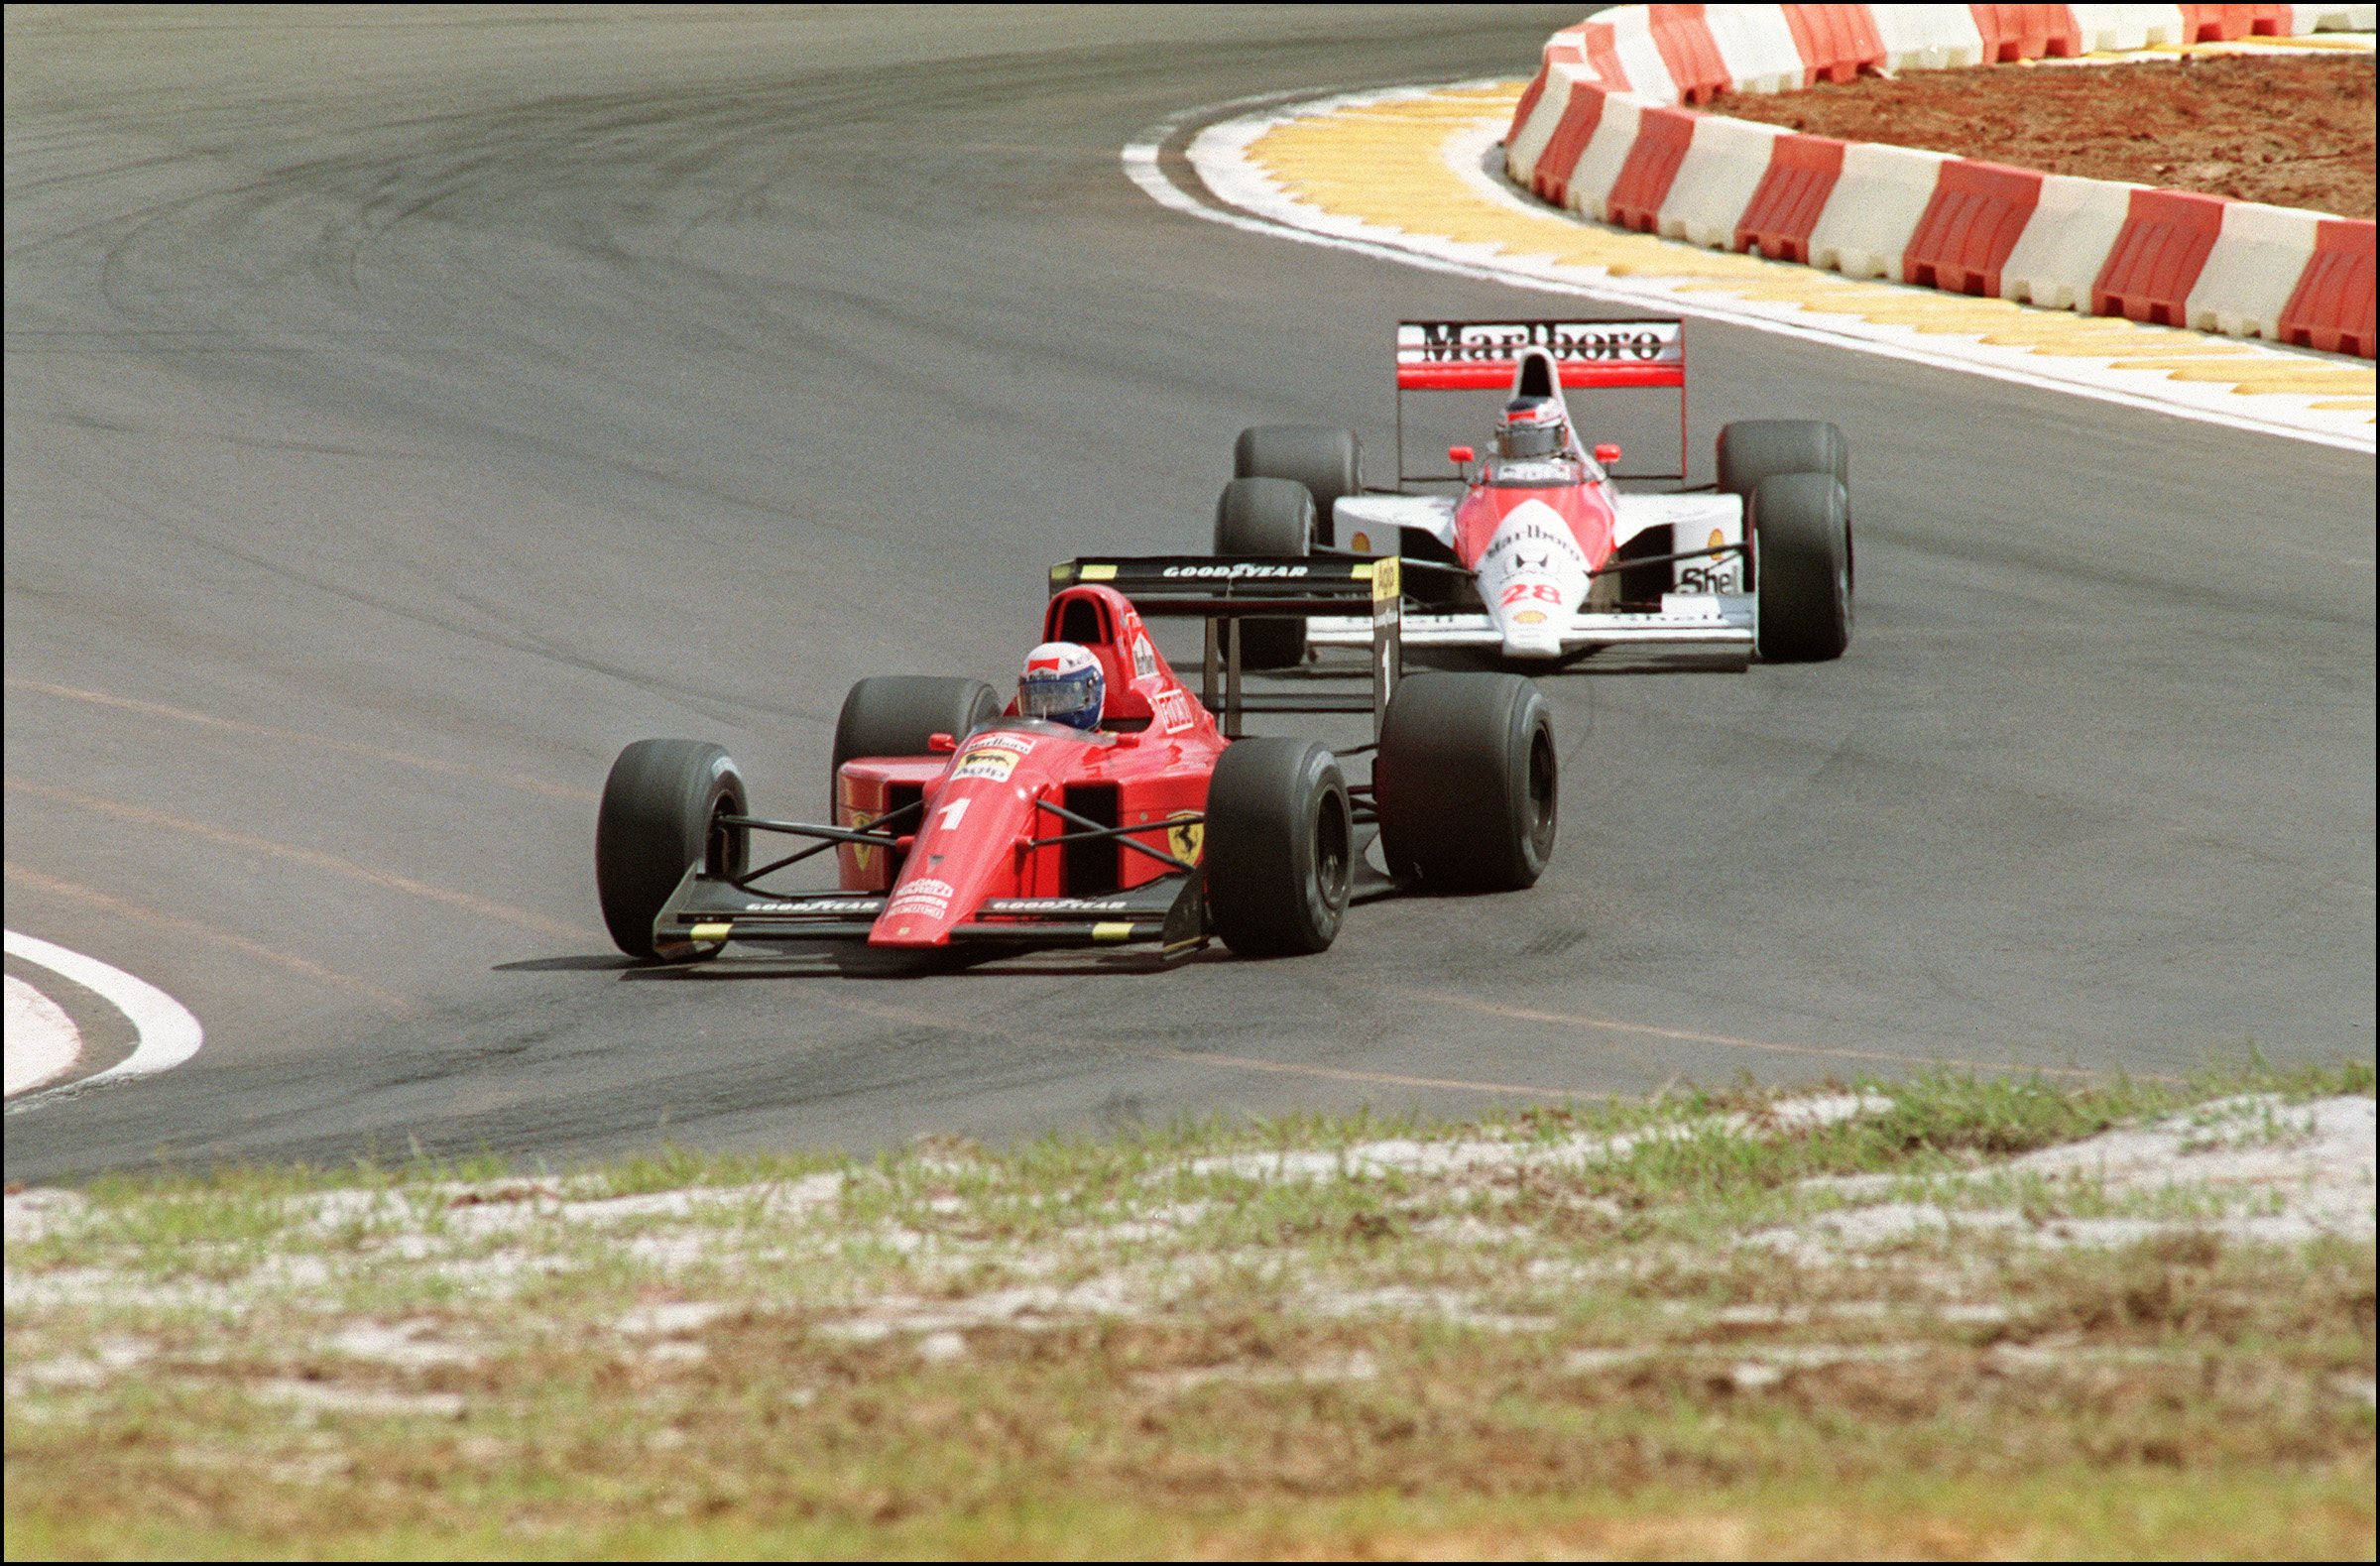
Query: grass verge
x,y
1950,1316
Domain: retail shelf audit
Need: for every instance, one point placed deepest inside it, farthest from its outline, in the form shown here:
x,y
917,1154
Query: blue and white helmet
x,y
1063,683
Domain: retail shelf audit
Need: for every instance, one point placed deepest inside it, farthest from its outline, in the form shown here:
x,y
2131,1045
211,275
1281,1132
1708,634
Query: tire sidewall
x,y
1279,850
1533,769
1467,783
1323,848
1264,516
1271,517
1801,532
894,715
1753,450
1328,461
655,823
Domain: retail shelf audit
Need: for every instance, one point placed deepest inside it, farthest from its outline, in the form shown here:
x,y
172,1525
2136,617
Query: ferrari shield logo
x,y
864,854
1185,835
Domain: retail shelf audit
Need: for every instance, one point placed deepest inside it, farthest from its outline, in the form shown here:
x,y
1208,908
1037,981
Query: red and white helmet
x,y
1063,684
1531,426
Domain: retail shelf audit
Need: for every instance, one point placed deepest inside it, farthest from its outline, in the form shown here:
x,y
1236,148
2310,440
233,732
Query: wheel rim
x,y
1842,587
724,846
1544,791
1333,835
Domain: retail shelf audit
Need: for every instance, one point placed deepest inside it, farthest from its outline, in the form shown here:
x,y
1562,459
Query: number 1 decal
x,y
951,814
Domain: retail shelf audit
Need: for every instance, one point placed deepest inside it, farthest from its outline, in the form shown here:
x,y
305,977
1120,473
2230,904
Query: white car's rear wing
x,y
1466,355
1478,355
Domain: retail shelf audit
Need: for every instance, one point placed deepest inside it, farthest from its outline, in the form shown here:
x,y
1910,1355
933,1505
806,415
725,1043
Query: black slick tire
x,y
661,813
894,715
1280,853
1467,783
1328,461
1753,450
1270,517
1802,548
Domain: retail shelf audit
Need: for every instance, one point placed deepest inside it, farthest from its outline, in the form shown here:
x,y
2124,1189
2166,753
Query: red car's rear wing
x,y
1223,590
1478,355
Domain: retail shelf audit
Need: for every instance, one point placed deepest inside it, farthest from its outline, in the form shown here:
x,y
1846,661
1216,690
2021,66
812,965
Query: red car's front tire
x,y
1280,853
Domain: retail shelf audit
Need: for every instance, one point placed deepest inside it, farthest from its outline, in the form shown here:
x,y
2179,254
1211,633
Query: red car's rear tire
x,y
894,715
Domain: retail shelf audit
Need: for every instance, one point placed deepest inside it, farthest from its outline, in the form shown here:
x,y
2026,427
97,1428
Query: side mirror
x,y
1459,454
1606,455
943,743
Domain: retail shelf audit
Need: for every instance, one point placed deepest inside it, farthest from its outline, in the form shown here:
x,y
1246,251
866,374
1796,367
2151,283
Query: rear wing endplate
x,y
1223,590
1479,355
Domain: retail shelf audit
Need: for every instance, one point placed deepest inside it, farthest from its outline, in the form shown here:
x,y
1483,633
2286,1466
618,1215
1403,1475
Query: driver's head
x,y
1531,426
1063,683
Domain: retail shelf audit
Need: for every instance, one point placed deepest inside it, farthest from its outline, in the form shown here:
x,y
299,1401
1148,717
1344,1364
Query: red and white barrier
x,y
1604,130
2259,254
1873,213
2075,224
2334,296
1716,179
1928,37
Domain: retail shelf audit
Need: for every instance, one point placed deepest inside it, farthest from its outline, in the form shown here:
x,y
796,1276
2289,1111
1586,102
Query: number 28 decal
x,y
1545,593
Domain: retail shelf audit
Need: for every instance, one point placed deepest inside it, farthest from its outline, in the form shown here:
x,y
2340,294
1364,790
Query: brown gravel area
x,y
2292,130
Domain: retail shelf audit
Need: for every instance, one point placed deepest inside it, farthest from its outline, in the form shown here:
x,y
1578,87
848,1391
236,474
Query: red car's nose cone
x,y
969,845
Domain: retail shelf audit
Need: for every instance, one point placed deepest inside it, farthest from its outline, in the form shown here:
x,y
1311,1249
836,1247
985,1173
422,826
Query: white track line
x,y
167,1034
1215,153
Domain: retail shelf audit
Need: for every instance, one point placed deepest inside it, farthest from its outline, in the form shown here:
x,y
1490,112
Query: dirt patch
x,y
2284,129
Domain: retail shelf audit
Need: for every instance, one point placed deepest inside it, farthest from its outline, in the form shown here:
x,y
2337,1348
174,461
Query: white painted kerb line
x,y
167,1034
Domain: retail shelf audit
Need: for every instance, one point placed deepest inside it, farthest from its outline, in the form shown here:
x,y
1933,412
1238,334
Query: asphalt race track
x,y
405,411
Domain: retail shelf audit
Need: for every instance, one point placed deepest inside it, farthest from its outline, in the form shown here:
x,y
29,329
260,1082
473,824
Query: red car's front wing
x,y
706,912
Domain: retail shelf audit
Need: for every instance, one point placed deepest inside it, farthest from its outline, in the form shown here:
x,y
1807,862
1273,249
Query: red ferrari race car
x,y
1105,803
1537,553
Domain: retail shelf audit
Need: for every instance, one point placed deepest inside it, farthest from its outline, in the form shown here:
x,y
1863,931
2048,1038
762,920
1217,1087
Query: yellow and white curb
x,y
1413,173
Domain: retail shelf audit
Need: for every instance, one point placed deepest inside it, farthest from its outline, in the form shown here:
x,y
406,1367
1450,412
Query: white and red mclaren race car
x,y
1535,552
